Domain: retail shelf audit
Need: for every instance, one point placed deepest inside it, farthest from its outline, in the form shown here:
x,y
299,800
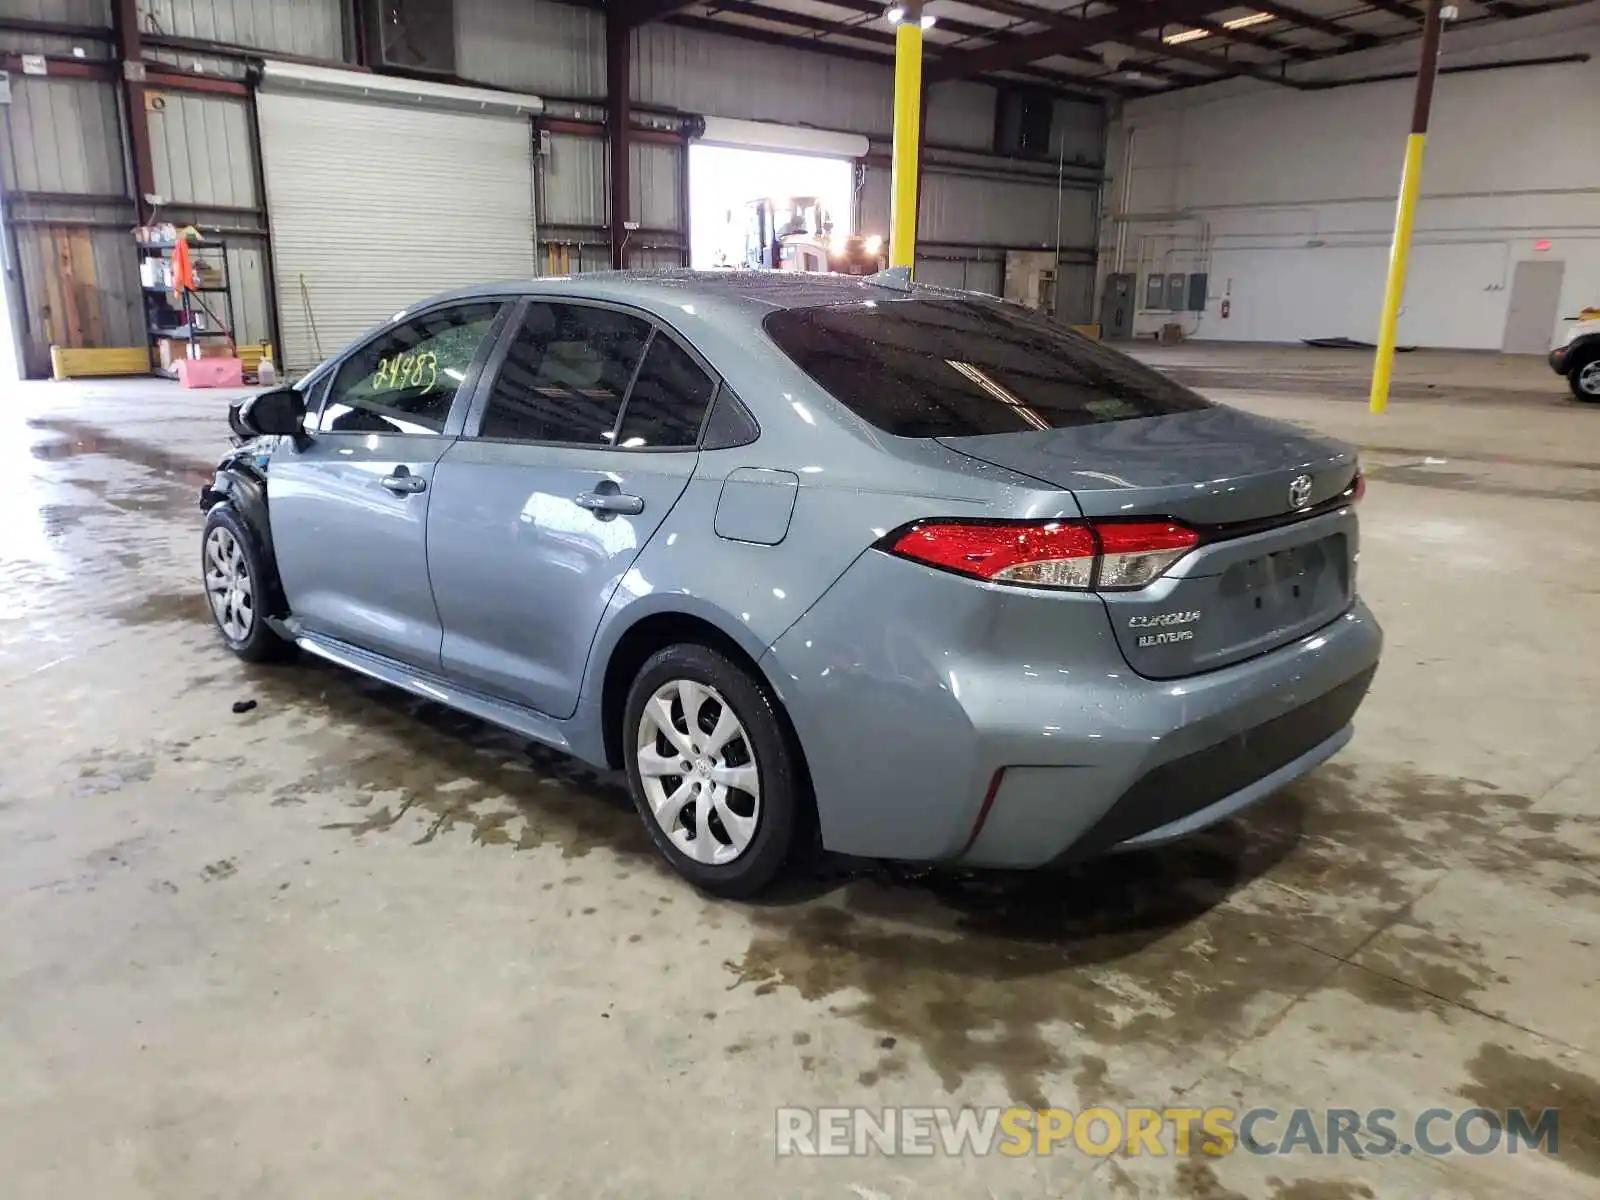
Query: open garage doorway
x,y
728,184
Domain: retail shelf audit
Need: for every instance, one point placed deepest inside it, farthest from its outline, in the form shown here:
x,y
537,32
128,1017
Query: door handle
x,y
403,482
611,504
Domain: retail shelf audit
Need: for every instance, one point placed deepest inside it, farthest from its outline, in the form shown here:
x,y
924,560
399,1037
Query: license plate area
x,y
1288,580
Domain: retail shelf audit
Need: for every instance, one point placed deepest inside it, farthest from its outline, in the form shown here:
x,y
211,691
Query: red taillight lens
x,y
1117,555
1048,554
1357,488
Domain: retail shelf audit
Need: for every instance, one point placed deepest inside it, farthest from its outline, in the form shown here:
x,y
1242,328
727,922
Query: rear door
x,y
350,505
582,445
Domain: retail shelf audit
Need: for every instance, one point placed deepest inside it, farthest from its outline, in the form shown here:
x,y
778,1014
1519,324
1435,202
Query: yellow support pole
x,y
907,131
1406,211
1399,253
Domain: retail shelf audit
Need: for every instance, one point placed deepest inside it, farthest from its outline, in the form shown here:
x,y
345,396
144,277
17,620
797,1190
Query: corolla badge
x,y
1300,491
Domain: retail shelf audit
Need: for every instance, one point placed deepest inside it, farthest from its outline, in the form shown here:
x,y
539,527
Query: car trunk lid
x,y
1276,559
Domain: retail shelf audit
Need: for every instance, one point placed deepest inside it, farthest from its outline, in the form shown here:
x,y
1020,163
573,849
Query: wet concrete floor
x,y
348,943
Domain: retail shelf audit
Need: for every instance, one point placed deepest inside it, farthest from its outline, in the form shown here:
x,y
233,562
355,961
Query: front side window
x,y
668,401
405,380
565,375
931,366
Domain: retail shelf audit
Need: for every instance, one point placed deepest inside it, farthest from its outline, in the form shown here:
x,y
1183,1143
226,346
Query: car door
x,y
584,442
350,503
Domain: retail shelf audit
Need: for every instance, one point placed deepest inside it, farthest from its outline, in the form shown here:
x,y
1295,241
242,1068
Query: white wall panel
x,y
1290,204
201,145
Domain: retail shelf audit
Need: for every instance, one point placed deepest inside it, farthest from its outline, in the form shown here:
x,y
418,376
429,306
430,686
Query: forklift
x,y
796,234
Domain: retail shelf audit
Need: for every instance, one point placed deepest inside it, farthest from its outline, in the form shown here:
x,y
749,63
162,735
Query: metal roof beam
x,y
1010,53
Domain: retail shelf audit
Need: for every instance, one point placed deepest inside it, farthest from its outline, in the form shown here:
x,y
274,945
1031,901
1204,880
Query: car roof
x,y
756,292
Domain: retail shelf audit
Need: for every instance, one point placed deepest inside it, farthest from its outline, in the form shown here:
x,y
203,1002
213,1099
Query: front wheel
x,y
712,771
1585,380
236,586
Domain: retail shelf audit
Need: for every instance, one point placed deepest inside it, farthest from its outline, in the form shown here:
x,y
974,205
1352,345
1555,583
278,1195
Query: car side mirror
x,y
280,411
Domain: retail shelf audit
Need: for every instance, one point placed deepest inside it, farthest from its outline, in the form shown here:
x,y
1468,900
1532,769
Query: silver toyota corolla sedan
x,y
911,570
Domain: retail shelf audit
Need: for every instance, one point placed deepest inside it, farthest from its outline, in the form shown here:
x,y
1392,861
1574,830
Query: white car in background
x,y
1578,358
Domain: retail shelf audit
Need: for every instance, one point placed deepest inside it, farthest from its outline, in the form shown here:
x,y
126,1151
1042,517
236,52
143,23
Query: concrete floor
x,y
347,944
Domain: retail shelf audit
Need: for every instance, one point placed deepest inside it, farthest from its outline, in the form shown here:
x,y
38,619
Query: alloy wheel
x,y
698,769
1589,379
229,587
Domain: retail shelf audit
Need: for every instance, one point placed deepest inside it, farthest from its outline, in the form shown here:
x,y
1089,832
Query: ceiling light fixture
x,y
897,15
1187,35
1259,18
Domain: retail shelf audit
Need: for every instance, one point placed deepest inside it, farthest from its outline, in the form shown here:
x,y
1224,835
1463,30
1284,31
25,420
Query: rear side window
x,y
952,366
668,400
565,374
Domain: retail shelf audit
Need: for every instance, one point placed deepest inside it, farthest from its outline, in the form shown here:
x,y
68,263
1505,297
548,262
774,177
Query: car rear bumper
x,y
1558,359
1002,727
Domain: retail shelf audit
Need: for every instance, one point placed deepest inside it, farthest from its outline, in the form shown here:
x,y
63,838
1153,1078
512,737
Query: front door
x,y
1535,305
586,441
350,506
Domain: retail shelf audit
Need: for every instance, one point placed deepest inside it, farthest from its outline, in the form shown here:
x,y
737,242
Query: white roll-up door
x,y
374,205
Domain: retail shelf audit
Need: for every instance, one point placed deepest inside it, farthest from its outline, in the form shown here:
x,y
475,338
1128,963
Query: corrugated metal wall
x,y
1078,133
202,149
66,184
63,135
572,183
654,184
203,146
723,76
68,12
311,28
960,114
532,46
972,210
985,211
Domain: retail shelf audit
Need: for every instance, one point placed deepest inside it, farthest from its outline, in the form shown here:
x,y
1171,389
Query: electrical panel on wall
x,y
419,35
1177,292
1155,291
1198,283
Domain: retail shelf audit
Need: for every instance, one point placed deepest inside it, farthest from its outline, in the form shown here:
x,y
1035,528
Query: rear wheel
x,y
711,770
1585,379
236,586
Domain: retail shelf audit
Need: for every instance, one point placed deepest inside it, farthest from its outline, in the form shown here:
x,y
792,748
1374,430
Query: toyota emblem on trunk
x,y
1300,491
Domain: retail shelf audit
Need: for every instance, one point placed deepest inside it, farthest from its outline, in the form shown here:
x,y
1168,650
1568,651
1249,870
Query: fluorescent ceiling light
x,y
1187,35
1259,18
895,15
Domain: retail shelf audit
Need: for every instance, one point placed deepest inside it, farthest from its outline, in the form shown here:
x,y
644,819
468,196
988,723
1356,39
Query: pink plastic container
x,y
210,372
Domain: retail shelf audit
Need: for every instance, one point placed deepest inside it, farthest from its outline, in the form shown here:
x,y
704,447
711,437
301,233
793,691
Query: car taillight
x,y
1114,555
1357,488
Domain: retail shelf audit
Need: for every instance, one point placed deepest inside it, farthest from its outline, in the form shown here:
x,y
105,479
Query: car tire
x,y
238,587
1584,377
754,796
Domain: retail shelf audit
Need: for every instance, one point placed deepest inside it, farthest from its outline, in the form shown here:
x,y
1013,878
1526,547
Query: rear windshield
x,y
948,366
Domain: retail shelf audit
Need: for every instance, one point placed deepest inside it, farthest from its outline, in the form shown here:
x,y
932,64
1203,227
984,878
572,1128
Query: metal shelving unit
x,y
186,315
